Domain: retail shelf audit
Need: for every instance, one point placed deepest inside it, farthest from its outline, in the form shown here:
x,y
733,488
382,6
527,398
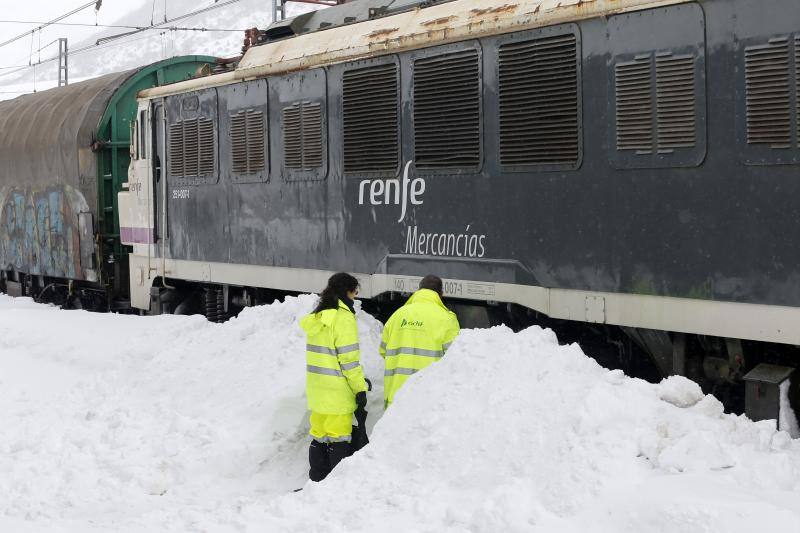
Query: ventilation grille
x,y
248,142
634,100
312,135
292,137
447,94
302,135
205,145
656,113
370,107
768,97
192,149
797,84
539,102
675,102
176,150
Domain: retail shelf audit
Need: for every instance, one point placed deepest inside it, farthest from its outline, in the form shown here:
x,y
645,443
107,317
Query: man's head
x,y
433,283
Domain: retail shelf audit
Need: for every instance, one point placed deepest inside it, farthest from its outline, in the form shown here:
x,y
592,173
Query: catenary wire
x,y
160,26
45,24
120,26
97,46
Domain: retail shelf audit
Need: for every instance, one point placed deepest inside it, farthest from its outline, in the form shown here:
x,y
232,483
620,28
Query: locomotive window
x,y
371,118
302,136
538,100
134,133
192,149
447,110
142,152
248,140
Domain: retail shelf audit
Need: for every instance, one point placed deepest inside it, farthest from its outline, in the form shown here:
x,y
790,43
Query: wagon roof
x,y
40,131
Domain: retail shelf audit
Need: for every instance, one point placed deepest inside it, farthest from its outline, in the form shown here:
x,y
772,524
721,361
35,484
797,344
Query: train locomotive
x,y
620,167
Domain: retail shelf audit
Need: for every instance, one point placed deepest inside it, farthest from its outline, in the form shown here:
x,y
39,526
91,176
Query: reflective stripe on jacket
x,y
415,336
333,370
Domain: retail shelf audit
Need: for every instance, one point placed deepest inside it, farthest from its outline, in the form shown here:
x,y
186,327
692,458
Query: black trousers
x,y
323,457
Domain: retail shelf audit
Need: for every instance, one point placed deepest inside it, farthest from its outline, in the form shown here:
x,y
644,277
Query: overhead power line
x,y
121,26
77,51
51,22
160,26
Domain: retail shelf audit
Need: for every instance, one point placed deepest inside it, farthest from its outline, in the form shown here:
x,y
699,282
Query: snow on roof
x,y
438,24
171,423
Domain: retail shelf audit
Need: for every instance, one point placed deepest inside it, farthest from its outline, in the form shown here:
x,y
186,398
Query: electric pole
x,y
63,72
278,10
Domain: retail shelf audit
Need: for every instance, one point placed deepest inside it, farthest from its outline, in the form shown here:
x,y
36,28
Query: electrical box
x,y
763,391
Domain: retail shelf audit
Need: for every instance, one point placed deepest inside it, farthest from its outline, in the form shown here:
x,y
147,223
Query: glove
x,y
361,399
369,384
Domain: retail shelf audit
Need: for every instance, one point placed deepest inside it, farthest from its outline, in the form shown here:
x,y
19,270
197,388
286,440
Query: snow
x,y
126,423
788,419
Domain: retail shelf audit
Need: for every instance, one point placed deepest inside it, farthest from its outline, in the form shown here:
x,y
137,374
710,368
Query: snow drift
x,y
172,423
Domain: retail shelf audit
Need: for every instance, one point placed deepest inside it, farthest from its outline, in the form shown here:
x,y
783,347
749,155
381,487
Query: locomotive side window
x,y
768,94
142,151
371,120
134,133
538,101
657,95
447,110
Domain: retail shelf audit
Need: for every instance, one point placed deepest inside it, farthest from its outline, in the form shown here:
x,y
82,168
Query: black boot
x,y
318,461
338,451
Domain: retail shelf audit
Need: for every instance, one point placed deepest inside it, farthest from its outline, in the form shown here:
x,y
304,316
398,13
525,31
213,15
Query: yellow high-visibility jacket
x,y
415,336
333,370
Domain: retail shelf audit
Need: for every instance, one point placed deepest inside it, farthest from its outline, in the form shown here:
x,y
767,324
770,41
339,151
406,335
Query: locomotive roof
x,y
442,23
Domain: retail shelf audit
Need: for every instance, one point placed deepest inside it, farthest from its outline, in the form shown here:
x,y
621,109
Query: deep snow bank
x,y
173,424
512,432
151,423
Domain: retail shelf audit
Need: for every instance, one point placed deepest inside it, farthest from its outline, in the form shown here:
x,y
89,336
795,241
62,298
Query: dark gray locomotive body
x,y
638,169
609,187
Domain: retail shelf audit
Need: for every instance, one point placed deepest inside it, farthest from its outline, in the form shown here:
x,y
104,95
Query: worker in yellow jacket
x,y
416,335
335,382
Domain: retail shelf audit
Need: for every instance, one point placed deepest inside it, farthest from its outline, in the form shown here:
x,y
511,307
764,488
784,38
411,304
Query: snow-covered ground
x,y
123,423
